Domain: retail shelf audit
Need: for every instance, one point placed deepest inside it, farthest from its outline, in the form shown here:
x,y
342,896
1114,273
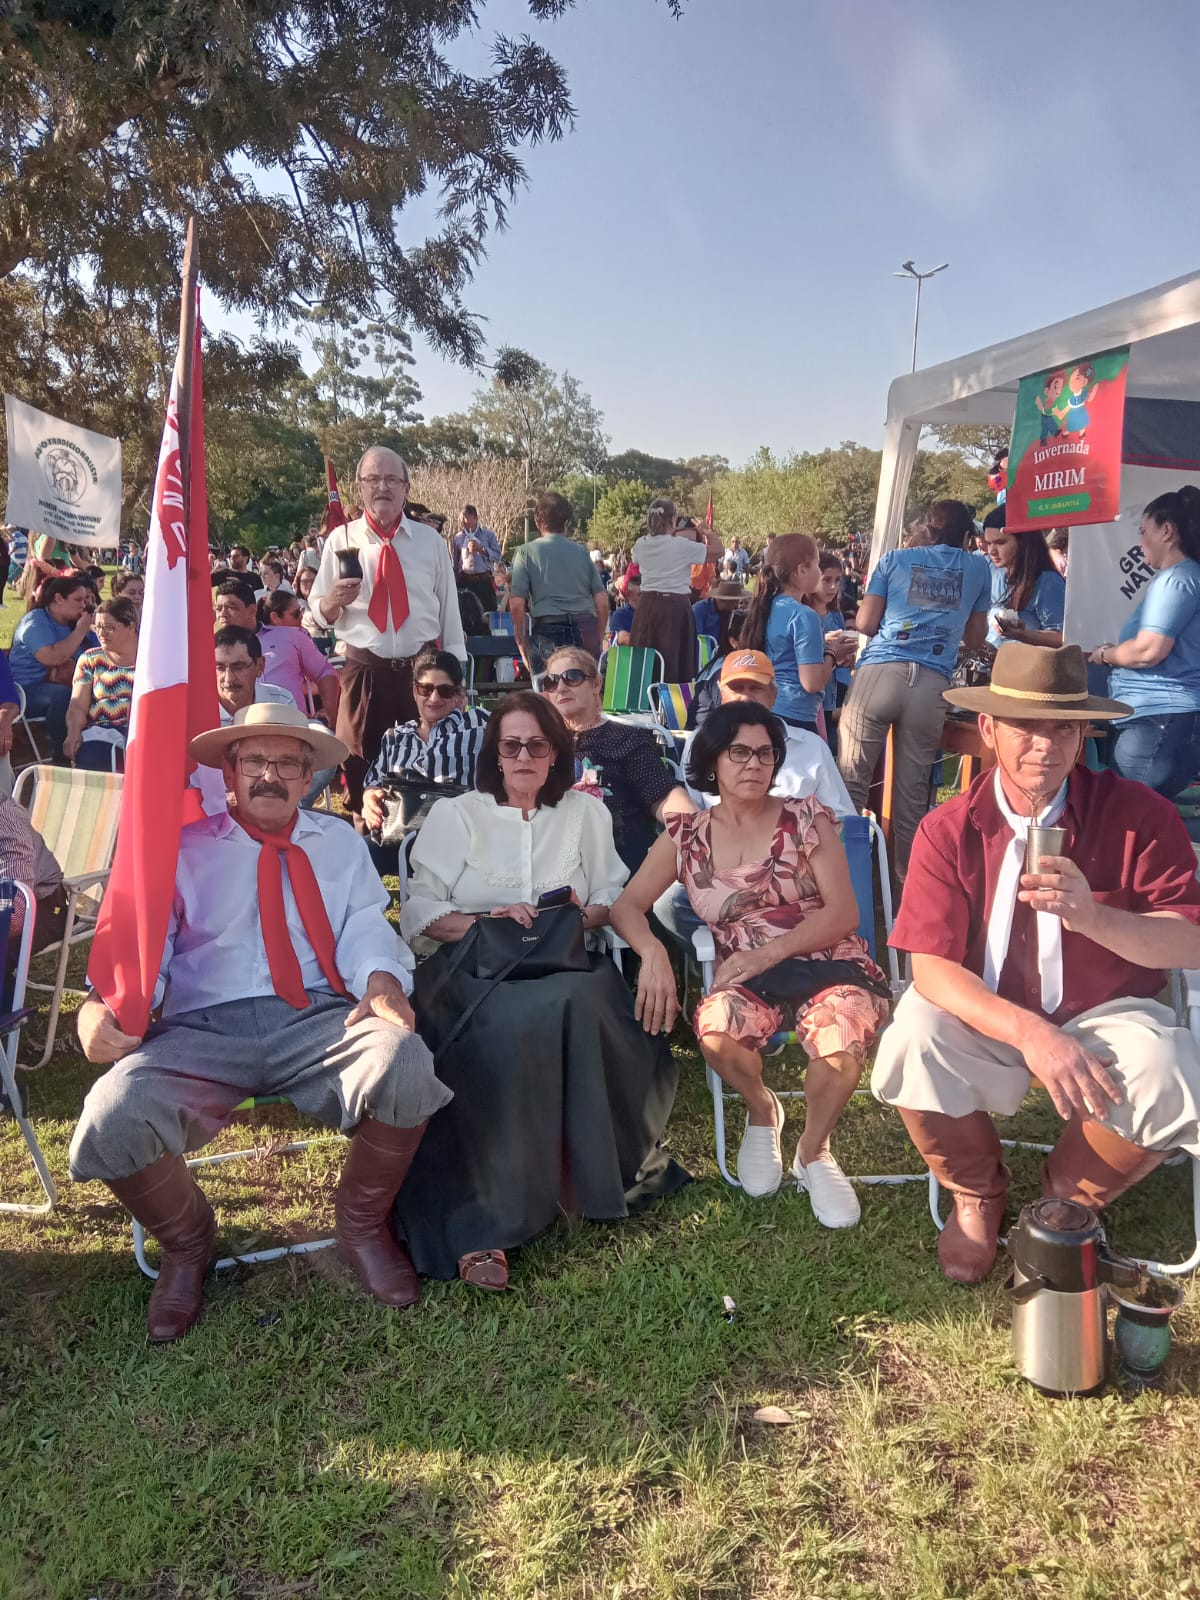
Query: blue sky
x,y
710,250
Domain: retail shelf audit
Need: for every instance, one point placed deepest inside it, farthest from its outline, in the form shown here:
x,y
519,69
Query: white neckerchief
x,y
1004,903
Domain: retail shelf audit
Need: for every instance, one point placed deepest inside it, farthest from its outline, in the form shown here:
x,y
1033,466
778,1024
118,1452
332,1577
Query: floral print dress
x,y
746,907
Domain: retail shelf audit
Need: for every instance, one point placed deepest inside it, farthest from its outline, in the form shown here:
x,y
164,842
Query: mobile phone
x,y
554,897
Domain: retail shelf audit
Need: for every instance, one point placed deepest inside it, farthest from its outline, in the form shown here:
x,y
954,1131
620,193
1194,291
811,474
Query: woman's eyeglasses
x,y
742,754
572,677
536,748
440,691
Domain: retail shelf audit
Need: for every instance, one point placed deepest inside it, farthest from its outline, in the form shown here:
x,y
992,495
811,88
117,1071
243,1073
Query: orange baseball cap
x,y
750,664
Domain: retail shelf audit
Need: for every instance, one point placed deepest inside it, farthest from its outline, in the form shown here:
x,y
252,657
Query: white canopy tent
x,y
1162,328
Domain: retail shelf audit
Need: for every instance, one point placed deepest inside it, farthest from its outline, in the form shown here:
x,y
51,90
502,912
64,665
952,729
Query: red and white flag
x,y
174,698
708,515
335,517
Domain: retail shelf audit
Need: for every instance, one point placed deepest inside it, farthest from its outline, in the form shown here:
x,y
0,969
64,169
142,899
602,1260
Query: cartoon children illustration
x,y
1053,407
1081,390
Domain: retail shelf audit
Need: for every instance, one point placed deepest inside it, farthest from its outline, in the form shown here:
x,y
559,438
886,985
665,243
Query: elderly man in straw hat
x,y
281,976
1049,975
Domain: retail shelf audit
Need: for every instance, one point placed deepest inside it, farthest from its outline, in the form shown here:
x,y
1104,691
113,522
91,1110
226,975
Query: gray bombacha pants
x,y
178,1089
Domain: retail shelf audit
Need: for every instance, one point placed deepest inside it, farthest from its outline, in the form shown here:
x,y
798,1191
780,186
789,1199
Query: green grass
x,y
589,1434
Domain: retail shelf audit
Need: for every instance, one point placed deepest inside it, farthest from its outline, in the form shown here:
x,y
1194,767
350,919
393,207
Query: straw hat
x,y
270,717
1030,682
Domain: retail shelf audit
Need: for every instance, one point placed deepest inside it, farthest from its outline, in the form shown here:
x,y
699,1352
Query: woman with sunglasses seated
x,y
442,743
619,764
770,878
559,1096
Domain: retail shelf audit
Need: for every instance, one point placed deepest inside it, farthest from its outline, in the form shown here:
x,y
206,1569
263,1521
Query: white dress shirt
x,y
432,593
473,854
215,950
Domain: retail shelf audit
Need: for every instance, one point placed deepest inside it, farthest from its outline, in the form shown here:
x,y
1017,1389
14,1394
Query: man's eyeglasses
x,y
289,768
440,691
536,748
377,479
572,677
742,754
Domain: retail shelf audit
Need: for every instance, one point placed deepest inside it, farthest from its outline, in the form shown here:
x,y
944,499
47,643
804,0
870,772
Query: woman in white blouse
x,y
560,1097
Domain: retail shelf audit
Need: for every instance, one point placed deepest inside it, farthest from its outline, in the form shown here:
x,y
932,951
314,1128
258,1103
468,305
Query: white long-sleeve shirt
x,y
432,593
215,950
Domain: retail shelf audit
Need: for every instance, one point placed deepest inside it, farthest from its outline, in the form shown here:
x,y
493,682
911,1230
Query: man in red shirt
x,y
1049,976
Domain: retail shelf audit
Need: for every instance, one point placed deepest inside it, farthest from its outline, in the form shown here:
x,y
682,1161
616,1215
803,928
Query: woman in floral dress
x,y
770,878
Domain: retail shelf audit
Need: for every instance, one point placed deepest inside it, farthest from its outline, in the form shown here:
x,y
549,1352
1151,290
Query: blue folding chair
x,y
866,853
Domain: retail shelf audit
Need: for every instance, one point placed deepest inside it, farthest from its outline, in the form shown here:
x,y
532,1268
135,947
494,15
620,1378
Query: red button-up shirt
x,y
1129,843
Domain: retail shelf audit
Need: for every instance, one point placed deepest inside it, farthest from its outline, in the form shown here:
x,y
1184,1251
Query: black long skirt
x,y
560,1099
664,622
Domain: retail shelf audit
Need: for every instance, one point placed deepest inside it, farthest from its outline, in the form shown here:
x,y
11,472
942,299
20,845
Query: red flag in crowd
x,y
174,698
335,517
708,520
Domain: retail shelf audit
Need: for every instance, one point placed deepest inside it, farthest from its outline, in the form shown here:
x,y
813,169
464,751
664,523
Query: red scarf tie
x,y
389,591
281,953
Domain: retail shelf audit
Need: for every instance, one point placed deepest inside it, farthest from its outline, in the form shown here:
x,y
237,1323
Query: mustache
x,y
275,789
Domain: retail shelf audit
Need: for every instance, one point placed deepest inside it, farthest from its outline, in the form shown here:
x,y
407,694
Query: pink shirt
x,y
290,657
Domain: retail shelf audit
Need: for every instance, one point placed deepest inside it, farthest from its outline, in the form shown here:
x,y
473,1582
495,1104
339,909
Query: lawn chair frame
x,y
10,1043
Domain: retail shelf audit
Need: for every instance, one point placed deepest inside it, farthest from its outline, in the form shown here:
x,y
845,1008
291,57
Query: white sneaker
x,y
834,1202
759,1161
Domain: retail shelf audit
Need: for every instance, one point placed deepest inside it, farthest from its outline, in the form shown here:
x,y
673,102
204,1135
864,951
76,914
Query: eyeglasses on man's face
x,y
288,768
742,754
439,691
386,480
536,748
572,677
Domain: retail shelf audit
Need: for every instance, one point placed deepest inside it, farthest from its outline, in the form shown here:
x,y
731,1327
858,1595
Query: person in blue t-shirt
x,y
780,625
1024,580
1156,664
921,604
45,644
620,624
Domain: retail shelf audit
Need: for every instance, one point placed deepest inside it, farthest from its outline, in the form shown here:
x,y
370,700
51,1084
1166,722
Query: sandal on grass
x,y
486,1269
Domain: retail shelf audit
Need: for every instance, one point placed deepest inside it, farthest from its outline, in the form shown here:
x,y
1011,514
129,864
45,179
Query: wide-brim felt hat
x,y
209,748
1032,683
729,590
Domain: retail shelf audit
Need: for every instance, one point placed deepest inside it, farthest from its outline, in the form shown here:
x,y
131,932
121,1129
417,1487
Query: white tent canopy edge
x,y
1161,325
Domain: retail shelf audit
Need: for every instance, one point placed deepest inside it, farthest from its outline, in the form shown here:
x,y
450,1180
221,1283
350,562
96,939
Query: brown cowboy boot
x,y
164,1198
1093,1165
963,1153
379,1159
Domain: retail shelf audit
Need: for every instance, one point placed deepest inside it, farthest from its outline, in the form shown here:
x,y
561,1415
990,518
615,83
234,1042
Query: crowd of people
x,y
495,1063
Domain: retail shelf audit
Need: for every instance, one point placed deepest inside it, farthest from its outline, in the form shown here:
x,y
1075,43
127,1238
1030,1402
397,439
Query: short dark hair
x,y
554,510
439,661
238,587
123,611
488,777
997,517
229,637
830,561
245,549
718,731
60,588
275,566
469,511
121,580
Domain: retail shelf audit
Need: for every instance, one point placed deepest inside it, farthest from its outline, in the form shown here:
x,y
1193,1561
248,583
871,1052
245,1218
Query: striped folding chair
x,y
501,622
670,703
706,651
628,673
76,813
14,1014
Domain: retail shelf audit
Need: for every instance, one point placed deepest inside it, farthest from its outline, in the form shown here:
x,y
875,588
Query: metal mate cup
x,y
1040,842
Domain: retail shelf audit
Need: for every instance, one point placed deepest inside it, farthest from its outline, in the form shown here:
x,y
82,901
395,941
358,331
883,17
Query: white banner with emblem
x,y
62,479
1106,573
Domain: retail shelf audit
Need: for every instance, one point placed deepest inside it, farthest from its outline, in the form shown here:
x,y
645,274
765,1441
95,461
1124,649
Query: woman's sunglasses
x,y
440,691
511,748
572,677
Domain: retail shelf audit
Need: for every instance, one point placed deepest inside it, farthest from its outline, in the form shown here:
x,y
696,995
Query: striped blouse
x,y
449,757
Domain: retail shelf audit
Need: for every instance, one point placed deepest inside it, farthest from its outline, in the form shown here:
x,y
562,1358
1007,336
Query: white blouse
x,y
473,854
666,561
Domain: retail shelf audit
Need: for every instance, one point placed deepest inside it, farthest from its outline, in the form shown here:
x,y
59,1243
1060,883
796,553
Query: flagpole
x,y
187,338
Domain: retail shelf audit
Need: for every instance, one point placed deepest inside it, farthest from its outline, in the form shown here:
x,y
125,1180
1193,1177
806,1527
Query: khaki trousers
x,y
928,1060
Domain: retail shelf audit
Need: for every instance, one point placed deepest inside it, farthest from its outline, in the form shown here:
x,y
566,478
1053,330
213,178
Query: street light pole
x,y
910,271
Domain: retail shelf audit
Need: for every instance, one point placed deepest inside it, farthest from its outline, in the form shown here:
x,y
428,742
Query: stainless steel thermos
x,y
1061,1264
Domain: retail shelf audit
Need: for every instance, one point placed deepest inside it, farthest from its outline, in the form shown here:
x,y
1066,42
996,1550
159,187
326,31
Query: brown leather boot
x,y
1093,1165
166,1201
963,1153
379,1159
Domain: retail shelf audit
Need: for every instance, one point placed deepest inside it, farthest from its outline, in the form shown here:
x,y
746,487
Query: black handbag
x,y
408,799
497,948
797,979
